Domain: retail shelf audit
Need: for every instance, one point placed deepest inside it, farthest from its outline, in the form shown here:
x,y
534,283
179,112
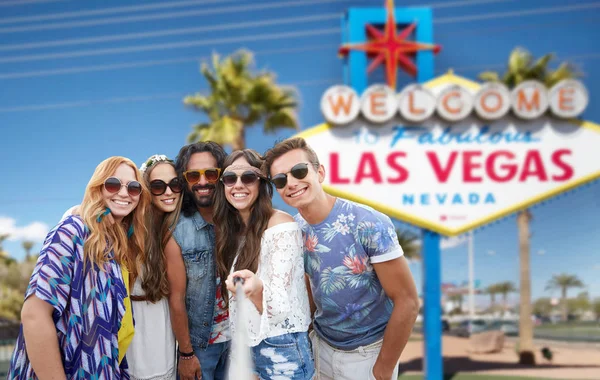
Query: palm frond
x,y
489,76
564,71
240,98
410,244
285,118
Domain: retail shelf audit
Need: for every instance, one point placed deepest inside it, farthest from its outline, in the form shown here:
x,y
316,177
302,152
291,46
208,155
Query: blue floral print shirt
x,y
352,307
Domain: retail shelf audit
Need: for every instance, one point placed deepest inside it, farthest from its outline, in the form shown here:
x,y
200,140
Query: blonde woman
x,y
76,319
151,355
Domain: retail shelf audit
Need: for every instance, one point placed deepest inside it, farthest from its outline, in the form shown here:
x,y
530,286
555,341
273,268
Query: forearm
x,y
311,301
397,332
179,321
257,300
42,347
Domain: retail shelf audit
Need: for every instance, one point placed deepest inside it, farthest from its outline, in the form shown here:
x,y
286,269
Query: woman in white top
x,y
151,355
263,246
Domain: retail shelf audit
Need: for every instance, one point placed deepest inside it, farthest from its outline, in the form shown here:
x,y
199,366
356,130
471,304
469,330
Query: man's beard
x,y
203,200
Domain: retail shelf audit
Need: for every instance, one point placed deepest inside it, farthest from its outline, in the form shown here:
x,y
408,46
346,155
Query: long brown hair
x,y
160,228
229,226
106,235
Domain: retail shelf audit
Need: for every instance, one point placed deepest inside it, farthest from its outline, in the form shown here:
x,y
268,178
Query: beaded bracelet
x,y
186,355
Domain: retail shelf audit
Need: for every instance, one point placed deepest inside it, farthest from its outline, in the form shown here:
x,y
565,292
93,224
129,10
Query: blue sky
x,y
82,81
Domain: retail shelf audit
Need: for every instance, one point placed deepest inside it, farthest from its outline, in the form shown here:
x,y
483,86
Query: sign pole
x,y
354,31
432,309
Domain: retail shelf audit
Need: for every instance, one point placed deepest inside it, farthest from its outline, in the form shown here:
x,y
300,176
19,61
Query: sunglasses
x,y
114,185
298,171
211,175
158,186
229,179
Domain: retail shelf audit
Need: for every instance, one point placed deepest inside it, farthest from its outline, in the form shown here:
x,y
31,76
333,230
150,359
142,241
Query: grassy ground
x,y
473,377
572,331
575,331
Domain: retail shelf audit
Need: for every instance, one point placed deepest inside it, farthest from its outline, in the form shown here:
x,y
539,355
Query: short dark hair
x,y
285,146
188,206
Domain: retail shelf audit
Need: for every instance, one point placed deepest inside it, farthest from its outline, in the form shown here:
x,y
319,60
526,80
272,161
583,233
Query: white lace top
x,y
285,299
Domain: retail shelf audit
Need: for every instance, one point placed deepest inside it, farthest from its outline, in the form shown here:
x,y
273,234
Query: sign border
x,y
450,78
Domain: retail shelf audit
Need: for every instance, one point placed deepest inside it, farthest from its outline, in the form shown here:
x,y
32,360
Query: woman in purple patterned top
x,y
76,319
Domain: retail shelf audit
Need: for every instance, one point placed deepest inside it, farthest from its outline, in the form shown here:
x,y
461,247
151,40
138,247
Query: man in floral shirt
x,y
364,294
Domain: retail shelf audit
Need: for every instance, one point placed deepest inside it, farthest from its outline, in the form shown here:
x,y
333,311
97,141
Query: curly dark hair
x,y
188,207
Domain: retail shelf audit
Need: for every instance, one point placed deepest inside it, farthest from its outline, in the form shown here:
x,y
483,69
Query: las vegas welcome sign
x,y
452,154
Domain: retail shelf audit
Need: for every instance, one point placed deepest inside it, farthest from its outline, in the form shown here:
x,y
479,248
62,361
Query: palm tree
x,y
492,290
410,245
526,355
521,67
239,99
3,254
563,282
504,288
27,245
456,298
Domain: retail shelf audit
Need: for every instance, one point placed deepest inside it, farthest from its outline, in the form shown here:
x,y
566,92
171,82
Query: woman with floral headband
x,y
76,319
268,257
151,354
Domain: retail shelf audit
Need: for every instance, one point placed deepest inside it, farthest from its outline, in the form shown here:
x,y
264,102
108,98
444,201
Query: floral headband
x,y
153,160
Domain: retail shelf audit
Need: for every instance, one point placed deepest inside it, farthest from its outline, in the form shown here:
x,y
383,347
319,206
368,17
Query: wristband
x,y
186,355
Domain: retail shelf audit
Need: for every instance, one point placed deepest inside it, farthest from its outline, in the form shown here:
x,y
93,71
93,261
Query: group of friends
x,y
139,280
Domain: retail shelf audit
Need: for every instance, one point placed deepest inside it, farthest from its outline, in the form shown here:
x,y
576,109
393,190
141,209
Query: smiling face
x,y
166,202
202,190
298,193
241,196
121,203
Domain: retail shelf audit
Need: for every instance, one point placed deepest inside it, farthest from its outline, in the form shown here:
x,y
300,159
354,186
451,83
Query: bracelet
x,y
186,355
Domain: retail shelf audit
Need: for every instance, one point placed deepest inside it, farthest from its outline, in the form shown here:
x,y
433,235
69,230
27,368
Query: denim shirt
x,y
196,238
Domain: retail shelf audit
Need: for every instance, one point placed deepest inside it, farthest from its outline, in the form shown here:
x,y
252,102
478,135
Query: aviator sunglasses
x,y
114,185
158,186
298,171
248,177
193,176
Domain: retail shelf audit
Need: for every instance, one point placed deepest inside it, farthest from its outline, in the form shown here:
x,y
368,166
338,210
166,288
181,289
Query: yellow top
x,y
126,330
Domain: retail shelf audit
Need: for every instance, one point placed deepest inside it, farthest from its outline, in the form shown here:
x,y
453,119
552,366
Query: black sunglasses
x,y
298,171
229,179
158,186
114,185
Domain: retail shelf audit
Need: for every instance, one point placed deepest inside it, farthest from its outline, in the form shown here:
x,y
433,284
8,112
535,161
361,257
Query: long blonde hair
x,y
106,235
154,278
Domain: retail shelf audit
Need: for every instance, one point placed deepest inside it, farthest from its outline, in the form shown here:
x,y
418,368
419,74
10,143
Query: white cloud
x,y
454,241
447,243
35,231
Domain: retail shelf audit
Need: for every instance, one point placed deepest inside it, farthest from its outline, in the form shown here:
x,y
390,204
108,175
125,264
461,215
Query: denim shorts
x,y
287,356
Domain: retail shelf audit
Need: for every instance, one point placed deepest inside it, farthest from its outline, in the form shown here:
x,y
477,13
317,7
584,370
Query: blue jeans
x,y
213,360
286,356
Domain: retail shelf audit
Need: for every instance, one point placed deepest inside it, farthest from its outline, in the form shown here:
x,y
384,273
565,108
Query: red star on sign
x,y
390,47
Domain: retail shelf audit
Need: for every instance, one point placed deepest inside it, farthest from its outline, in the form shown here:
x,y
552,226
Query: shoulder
x,y
73,226
364,213
279,217
183,226
281,222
